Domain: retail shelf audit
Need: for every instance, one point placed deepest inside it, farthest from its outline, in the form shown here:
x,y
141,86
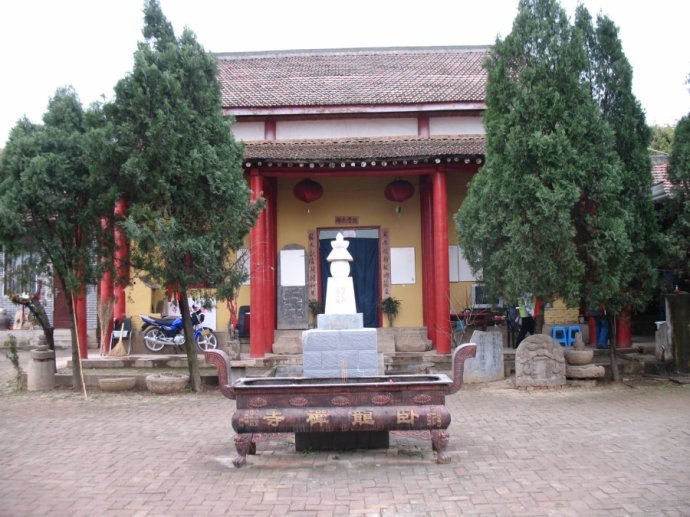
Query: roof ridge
x,y
263,54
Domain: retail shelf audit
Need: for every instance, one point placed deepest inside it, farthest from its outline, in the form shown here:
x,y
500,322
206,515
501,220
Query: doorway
x,y
364,268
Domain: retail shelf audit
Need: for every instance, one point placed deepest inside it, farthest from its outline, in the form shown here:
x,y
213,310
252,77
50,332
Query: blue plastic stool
x,y
572,330
560,334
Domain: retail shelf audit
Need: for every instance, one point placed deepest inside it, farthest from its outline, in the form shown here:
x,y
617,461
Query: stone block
x,y
539,362
317,340
340,321
358,339
487,365
385,340
311,361
411,340
287,345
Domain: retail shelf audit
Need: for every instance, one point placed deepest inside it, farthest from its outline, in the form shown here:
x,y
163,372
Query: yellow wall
x,y
140,300
560,314
460,292
355,196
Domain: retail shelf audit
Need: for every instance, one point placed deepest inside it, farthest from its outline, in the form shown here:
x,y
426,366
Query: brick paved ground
x,y
578,451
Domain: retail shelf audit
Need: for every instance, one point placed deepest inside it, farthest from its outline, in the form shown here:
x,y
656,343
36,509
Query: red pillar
x,y
624,328
427,230
120,262
441,273
106,296
80,313
271,257
257,287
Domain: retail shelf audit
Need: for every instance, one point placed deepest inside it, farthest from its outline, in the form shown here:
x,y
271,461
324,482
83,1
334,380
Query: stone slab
x,y
339,321
292,304
487,365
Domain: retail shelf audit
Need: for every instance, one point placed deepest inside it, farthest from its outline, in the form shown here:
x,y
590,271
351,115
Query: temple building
x,y
378,144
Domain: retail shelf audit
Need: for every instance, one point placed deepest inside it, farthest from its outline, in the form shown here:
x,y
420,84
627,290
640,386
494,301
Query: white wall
x,y
456,126
343,128
248,130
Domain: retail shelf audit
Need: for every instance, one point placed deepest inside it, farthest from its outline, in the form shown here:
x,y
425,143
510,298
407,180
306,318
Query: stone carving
x,y
340,347
579,359
293,309
539,362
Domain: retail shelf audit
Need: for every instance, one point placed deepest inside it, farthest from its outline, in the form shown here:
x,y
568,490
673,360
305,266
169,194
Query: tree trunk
x,y
189,344
612,351
76,358
39,312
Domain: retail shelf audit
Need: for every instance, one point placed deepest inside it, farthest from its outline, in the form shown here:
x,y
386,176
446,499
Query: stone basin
x,y
579,357
166,382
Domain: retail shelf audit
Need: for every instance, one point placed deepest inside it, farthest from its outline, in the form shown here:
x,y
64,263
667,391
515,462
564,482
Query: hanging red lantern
x,y
399,191
308,190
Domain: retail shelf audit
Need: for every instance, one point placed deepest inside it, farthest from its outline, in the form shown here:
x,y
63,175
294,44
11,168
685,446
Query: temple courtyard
x,y
584,449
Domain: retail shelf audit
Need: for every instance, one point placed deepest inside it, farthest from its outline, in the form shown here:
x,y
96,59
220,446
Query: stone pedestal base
x,y
41,374
587,371
340,353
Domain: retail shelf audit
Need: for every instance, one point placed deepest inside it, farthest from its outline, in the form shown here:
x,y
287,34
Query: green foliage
x,y
678,208
609,77
50,198
179,167
390,306
10,352
662,139
544,215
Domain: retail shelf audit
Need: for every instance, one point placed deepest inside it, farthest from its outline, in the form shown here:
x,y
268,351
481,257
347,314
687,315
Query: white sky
x,y
89,43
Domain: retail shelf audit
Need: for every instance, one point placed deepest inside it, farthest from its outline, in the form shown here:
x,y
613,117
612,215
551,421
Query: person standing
x,y
526,310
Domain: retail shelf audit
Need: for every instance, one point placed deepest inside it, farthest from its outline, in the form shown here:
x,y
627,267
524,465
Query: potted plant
x,y
390,307
316,308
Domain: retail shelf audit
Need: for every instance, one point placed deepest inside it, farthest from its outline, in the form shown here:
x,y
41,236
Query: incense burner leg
x,y
439,442
244,446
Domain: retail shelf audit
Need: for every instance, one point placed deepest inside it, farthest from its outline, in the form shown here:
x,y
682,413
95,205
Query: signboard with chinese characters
x,y
385,263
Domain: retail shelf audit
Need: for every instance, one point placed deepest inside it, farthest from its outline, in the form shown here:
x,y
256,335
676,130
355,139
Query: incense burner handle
x,y
221,361
461,353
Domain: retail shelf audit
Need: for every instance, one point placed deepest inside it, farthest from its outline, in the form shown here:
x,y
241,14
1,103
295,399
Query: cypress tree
x,y
677,241
609,77
544,215
180,168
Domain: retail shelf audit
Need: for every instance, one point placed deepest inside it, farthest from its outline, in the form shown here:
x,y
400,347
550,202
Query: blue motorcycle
x,y
159,332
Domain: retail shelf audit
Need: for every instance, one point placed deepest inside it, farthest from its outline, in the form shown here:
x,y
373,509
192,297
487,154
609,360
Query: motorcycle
x,y
159,332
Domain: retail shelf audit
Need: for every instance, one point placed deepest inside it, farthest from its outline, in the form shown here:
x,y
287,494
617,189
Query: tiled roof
x,y
384,76
409,148
660,175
